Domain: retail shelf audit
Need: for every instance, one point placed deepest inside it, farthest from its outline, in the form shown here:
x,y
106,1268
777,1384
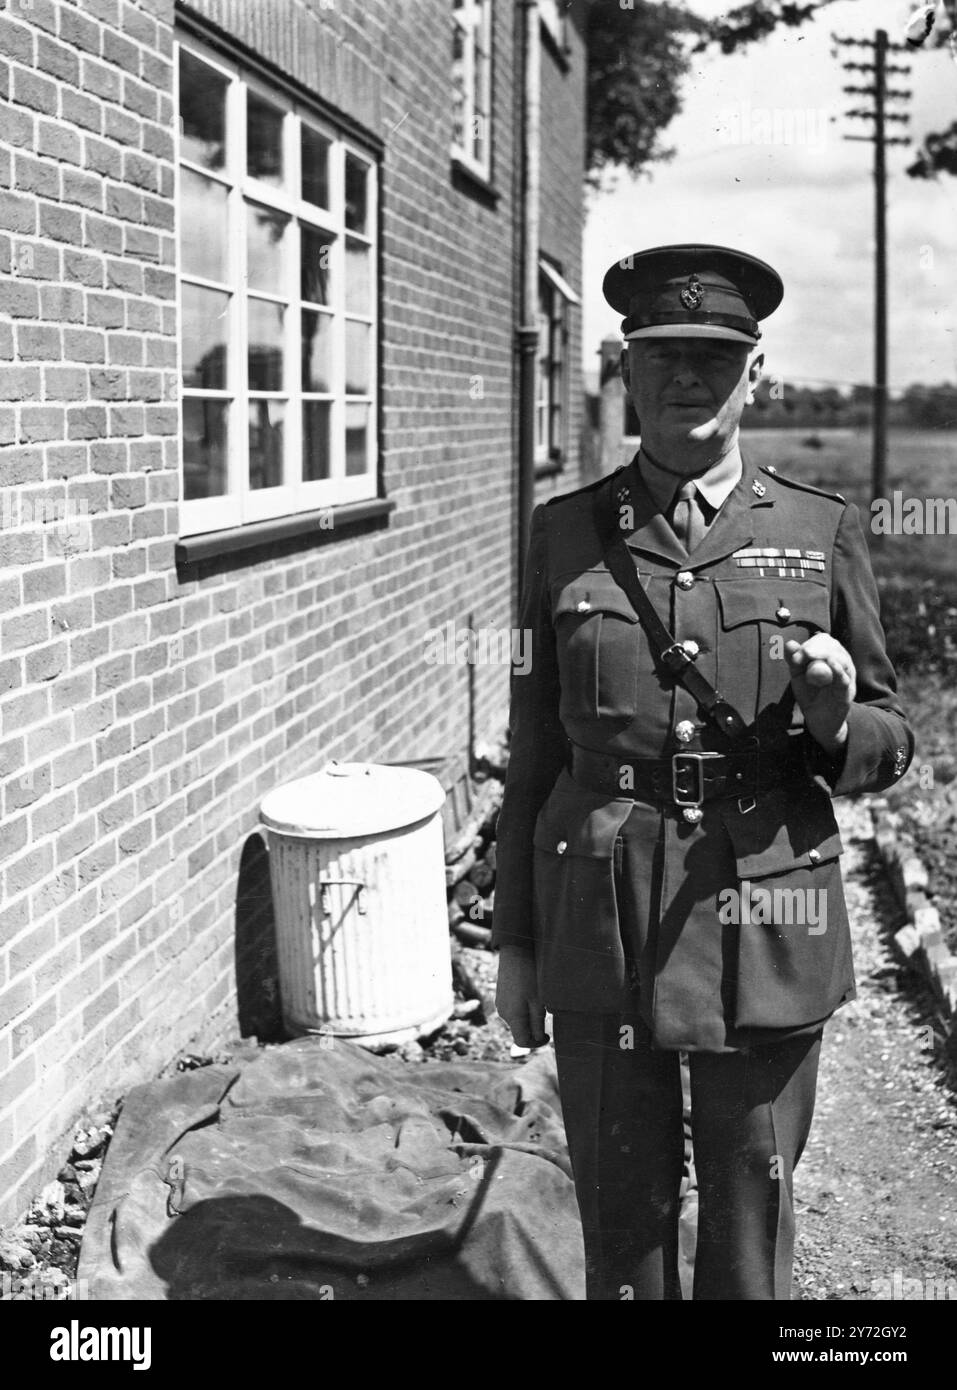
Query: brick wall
x,y
145,711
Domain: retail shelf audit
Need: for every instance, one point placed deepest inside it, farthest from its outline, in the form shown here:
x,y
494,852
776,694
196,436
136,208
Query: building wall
x,y
145,710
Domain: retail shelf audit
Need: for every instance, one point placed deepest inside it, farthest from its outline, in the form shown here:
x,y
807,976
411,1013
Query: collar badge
x,y
758,488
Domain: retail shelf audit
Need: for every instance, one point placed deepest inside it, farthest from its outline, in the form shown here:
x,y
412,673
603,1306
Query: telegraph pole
x,y
880,140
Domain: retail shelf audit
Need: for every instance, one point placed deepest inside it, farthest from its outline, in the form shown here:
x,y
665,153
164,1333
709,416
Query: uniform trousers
x,y
751,1115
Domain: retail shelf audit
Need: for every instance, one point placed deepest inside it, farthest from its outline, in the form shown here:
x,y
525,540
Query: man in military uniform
x,y
708,670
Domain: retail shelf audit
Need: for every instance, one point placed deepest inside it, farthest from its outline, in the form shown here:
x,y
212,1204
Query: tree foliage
x,y
639,54
637,57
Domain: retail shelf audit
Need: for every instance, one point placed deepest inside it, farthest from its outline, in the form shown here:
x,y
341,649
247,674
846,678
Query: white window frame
x,y
474,19
551,386
240,504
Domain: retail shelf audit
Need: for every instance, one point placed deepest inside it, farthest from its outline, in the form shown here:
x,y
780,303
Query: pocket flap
x,y
575,821
783,832
752,601
594,591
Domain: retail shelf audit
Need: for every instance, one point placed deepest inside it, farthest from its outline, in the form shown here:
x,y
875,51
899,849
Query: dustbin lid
x,y
347,799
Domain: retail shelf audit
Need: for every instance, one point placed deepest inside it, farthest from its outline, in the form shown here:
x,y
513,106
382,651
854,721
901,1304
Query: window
x,y
472,85
277,276
554,293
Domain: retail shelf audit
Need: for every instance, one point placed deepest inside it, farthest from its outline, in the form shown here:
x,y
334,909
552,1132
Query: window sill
x,y
548,468
211,544
466,180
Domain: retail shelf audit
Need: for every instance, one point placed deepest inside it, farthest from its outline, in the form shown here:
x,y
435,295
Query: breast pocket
x,y
598,638
758,616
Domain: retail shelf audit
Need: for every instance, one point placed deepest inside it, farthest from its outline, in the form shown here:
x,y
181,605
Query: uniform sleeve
x,y
537,751
880,743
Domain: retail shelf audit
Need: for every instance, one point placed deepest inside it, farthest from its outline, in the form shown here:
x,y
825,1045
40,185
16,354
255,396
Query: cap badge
x,y
693,293
758,488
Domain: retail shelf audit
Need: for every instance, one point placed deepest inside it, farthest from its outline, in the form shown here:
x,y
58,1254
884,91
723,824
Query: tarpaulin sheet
x,y
320,1171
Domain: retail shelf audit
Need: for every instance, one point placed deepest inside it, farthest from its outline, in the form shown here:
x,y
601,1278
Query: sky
x,y
760,166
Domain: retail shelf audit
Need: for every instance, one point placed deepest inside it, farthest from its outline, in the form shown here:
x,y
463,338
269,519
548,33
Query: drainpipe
x,y
527,334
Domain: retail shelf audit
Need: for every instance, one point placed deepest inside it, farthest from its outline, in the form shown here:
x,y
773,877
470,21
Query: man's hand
x,y
824,683
516,997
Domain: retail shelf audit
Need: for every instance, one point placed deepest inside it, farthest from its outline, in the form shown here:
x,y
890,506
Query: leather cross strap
x,y
673,657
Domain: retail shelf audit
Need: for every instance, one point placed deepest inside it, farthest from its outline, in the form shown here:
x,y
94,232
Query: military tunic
x,y
620,899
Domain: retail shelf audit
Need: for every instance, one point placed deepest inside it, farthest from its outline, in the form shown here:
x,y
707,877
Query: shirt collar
x,y
715,486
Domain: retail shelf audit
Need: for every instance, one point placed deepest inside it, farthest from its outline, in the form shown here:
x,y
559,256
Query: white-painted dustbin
x,y
357,868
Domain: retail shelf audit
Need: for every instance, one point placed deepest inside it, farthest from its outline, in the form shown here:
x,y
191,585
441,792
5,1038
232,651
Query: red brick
x,y
60,224
83,345
58,141
55,60
18,214
19,300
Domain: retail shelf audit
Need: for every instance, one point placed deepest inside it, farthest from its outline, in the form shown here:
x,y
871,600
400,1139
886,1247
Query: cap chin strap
x,y
693,330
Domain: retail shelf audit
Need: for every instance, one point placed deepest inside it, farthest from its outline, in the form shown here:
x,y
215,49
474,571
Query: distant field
x,y
919,464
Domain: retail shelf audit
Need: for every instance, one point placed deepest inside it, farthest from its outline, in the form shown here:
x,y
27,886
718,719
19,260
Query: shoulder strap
x,y
672,656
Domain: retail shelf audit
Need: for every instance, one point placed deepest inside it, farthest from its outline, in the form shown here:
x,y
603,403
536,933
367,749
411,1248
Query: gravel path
x,y
876,1190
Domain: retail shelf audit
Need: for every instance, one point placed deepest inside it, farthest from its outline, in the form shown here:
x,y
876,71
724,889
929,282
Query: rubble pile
x,y
38,1256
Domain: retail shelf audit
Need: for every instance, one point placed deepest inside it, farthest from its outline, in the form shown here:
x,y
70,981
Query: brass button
x,y
561,847
814,855
583,607
691,647
692,814
783,614
685,579
684,732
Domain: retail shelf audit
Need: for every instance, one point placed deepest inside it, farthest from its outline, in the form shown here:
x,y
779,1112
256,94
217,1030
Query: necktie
x,y
687,518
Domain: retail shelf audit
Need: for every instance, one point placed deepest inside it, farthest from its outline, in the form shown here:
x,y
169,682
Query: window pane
x,y
315,268
204,448
357,359
358,263
357,428
316,342
266,421
315,167
265,345
204,329
265,238
202,109
315,440
356,191
202,227
263,140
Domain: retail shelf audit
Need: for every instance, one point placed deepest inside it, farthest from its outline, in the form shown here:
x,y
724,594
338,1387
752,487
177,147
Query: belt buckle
x,y
697,760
